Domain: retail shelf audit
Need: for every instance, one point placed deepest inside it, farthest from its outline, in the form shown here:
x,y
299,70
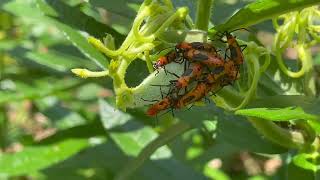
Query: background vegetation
x,y
54,124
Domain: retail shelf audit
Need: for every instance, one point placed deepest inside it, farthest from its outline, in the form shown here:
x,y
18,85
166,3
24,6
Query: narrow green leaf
x,y
306,161
32,159
110,116
85,131
8,44
28,10
240,133
62,117
105,160
73,34
282,101
215,173
57,61
130,142
243,134
132,137
262,10
37,89
120,7
315,126
278,114
66,15
122,12
82,44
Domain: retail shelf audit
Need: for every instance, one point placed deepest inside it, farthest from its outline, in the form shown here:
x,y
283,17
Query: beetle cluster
x,y
204,67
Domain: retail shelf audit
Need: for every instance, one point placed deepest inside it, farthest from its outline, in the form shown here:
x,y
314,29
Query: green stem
x,y
148,61
146,152
308,80
283,67
3,127
180,13
85,73
307,131
266,64
229,96
2,59
169,4
278,135
250,93
203,14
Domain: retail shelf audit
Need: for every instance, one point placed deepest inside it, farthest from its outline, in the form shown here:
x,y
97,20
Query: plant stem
x,y
2,57
278,135
203,14
3,127
146,152
148,61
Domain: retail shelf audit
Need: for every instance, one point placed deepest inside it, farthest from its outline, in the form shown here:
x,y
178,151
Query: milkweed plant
x,y
296,25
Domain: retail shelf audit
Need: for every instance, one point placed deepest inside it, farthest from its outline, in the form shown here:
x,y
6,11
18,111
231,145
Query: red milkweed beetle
x,y
189,75
211,82
204,57
177,54
234,47
164,60
169,101
184,46
165,103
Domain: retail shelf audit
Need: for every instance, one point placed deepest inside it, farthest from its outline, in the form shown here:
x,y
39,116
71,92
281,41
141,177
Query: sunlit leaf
x,y
278,114
262,10
32,159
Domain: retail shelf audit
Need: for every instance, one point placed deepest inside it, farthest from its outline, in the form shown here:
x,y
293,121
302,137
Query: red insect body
x,y
204,57
188,76
184,46
231,70
164,104
235,49
164,60
207,67
180,49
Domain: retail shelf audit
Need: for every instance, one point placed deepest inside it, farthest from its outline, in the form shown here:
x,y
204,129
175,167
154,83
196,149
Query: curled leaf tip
x,y
183,12
83,73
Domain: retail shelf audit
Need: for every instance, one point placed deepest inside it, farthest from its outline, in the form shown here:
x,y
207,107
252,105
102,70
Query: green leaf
x,y
235,130
131,137
82,44
88,130
262,10
61,117
120,7
32,159
74,17
268,86
37,89
278,114
8,44
315,126
306,161
122,12
215,173
110,116
29,11
240,133
298,167
105,160
57,61
131,142
282,101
